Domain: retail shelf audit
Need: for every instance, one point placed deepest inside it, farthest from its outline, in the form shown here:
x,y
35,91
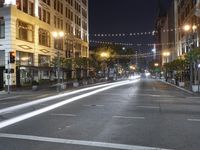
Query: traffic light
x,y
12,57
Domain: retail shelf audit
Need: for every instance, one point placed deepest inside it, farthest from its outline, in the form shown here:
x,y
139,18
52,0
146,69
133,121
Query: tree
x,y
192,58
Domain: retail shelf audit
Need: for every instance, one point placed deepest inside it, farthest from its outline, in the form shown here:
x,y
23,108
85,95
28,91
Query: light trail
x,y
59,104
35,102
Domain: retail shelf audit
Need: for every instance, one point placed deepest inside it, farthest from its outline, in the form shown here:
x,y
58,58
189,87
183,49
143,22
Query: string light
x,y
148,33
138,44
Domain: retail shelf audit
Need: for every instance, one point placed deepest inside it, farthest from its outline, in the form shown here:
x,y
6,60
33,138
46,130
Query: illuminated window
x,y
44,60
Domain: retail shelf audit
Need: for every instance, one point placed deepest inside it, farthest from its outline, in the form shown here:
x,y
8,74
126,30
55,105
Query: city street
x,y
142,114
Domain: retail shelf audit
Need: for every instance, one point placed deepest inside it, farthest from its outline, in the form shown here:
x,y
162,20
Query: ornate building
x,y
26,28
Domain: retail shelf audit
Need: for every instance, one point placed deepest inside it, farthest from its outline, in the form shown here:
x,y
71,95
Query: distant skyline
x,y
123,16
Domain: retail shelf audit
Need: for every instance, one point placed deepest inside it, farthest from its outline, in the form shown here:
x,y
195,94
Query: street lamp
x,y
190,29
104,56
156,64
166,55
58,36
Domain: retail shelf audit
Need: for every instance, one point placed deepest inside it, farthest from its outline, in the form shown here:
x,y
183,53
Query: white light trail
x,y
24,105
56,105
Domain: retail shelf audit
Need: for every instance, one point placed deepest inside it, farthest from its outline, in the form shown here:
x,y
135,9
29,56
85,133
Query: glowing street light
x,y
105,55
58,35
166,54
156,64
191,30
186,27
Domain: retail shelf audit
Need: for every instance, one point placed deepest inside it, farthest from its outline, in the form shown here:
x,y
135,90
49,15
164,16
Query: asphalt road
x,y
141,115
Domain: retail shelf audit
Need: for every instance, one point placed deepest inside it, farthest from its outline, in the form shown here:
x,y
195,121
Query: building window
x,y
31,8
44,15
2,3
48,17
24,31
84,2
19,4
40,13
58,43
2,28
68,14
58,6
24,59
44,60
25,6
2,58
44,37
47,2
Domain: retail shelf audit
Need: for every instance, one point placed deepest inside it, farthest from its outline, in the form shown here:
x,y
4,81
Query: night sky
x,y
123,16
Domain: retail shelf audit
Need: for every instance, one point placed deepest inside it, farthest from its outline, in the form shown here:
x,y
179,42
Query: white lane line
x,y
42,100
93,105
148,107
193,97
56,105
124,117
65,115
194,120
78,142
151,95
11,97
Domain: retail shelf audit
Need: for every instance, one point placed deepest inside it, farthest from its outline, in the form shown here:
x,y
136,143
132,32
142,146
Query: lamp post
x,y
166,55
190,29
104,56
58,36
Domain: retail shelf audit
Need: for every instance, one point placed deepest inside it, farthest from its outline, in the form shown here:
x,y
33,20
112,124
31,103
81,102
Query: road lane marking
x,y
193,97
42,100
56,105
153,95
65,115
77,142
149,107
93,105
194,120
11,97
124,117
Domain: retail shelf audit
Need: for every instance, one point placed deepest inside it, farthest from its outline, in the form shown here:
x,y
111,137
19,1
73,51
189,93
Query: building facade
x,y
26,28
180,32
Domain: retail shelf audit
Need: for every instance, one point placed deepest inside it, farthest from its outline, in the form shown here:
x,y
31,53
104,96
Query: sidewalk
x,y
182,88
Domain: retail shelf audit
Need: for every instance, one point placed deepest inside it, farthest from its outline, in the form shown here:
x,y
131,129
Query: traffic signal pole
x,y
11,60
8,75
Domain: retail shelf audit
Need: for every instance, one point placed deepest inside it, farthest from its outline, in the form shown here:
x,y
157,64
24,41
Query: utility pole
x,y
8,75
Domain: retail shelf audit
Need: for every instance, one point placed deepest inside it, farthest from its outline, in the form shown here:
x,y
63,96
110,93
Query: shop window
x,y
44,60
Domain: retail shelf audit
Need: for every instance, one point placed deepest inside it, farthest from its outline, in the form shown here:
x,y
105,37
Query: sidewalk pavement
x,y
183,89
